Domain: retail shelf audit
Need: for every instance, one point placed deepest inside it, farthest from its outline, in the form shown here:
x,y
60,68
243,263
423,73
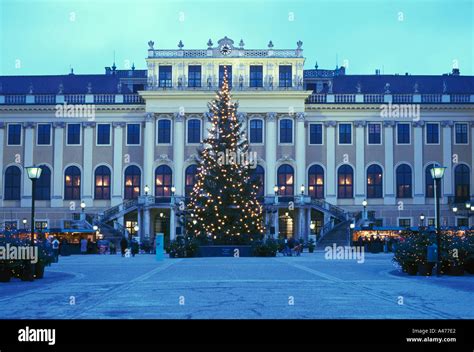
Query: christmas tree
x,y
224,206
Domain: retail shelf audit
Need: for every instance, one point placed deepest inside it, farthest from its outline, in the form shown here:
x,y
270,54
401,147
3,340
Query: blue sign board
x,y
159,239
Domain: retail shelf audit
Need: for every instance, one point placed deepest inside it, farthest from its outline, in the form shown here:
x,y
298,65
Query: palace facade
x,y
123,144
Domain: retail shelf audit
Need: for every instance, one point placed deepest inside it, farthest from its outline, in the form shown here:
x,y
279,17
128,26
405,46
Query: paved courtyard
x,y
104,286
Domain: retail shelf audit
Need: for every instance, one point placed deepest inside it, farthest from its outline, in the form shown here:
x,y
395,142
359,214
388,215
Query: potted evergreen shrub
x,y
468,241
311,246
454,255
406,255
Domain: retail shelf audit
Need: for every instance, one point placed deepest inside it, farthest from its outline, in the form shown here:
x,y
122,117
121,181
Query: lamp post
x,y
24,223
302,190
275,189
351,227
83,206
34,173
422,219
364,203
437,174
147,189
173,190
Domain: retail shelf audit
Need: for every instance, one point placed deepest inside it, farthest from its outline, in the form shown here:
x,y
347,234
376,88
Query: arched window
x,y
163,181
258,174
43,185
345,181
72,183
404,181
316,182
12,183
102,183
285,180
190,179
429,183
374,181
132,182
461,183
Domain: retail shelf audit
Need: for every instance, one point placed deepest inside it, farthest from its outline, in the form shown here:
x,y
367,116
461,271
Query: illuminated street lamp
x,y
437,173
83,206
302,190
95,227
147,189
173,190
24,223
455,209
275,189
422,219
34,173
364,204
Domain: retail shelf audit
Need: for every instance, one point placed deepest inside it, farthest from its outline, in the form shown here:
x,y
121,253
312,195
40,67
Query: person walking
x,y
83,246
123,245
55,245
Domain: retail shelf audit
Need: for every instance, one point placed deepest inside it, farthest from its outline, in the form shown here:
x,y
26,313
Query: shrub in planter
x,y
469,246
453,254
411,252
183,247
267,248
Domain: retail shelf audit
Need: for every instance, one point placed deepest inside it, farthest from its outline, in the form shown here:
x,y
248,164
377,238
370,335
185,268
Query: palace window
x,y
132,182
256,131
43,184
461,133
403,133
73,134
72,183
374,182
461,183
163,181
164,131
462,222
404,181
404,222
432,133
345,133
14,134
285,76
375,133
165,76
11,225
258,175
194,131
12,183
315,133
41,225
194,76
229,74
285,180
345,181
316,182
44,134
256,76
133,134
190,179
102,183
103,134
286,131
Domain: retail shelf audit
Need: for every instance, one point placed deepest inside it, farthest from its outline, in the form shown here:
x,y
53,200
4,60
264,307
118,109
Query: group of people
x,y
376,244
130,245
293,246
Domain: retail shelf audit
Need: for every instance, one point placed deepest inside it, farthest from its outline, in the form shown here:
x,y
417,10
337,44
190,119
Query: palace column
x,y
2,141
447,188
27,161
419,196
149,152
270,152
146,223
389,196
57,198
118,165
87,163
172,224
302,232
300,151
178,152
360,162
330,162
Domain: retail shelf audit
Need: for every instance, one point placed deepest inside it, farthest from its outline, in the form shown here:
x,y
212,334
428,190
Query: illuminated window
x,y
316,182
374,182
132,182
404,181
285,180
72,183
191,178
163,181
102,183
345,181
258,175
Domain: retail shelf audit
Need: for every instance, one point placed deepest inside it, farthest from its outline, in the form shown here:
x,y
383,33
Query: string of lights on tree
x,y
223,204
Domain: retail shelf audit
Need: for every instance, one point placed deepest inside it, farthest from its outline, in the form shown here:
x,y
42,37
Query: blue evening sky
x,y
415,36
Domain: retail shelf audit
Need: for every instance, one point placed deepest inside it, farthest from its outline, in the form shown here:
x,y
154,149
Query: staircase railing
x,y
329,226
336,211
111,212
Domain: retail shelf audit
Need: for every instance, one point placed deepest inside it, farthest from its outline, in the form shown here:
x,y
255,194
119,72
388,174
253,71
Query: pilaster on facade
x,y
29,130
178,152
419,197
87,185
118,160
58,150
389,196
360,161
149,151
331,161
300,150
270,151
447,127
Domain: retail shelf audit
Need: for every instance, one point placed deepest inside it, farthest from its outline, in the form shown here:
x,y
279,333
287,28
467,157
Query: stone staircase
x,y
338,235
